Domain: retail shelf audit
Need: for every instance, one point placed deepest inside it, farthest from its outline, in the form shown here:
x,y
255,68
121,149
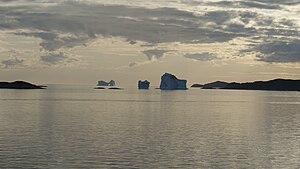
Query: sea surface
x,y
68,126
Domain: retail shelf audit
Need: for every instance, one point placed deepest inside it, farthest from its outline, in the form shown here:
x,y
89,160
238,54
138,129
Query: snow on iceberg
x,y
170,82
104,83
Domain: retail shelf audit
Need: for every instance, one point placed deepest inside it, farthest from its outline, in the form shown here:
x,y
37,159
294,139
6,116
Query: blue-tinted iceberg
x,y
143,84
170,82
104,83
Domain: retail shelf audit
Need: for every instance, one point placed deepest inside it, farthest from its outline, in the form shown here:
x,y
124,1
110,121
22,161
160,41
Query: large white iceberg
x,y
104,83
143,84
170,82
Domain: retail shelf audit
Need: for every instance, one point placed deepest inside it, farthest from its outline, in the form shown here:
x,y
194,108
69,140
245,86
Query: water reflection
x,y
77,127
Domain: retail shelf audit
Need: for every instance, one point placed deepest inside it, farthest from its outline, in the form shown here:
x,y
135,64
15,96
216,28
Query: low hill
x,y
276,84
215,85
19,85
197,85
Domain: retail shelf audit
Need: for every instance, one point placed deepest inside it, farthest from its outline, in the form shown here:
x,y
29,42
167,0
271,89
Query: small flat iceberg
x,y
143,84
104,83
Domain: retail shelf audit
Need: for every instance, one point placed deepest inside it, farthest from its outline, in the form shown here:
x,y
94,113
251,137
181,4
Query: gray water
x,y
77,127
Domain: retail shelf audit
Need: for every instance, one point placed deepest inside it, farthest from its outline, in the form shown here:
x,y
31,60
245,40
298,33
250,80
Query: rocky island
x,y
276,85
19,85
197,85
115,88
212,85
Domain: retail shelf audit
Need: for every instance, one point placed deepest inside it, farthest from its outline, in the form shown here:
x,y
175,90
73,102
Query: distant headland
x,y
276,85
19,85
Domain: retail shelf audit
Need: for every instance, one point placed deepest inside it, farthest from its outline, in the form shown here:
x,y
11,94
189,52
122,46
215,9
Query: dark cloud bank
x,y
279,52
12,62
202,56
70,24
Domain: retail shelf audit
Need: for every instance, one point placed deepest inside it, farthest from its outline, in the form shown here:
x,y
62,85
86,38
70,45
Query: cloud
x,y
137,64
12,62
83,22
260,4
133,64
7,1
245,4
53,41
59,59
279,52
286,2
155,53
53,58
42,35
201,56
131,42
67,24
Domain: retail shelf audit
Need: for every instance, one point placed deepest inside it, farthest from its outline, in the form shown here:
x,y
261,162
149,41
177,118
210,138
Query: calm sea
x,y
69,126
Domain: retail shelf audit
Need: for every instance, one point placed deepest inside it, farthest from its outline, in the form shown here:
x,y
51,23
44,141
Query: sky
x,y
83,41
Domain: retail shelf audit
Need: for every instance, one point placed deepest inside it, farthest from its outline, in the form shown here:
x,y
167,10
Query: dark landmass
x,y
197,85
111,88
115,88
215,85
276,84
99,88
19,85
42,86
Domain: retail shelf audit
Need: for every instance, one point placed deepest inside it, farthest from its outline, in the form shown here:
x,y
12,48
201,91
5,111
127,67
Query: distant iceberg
x,y
104,83
143,84
171,82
